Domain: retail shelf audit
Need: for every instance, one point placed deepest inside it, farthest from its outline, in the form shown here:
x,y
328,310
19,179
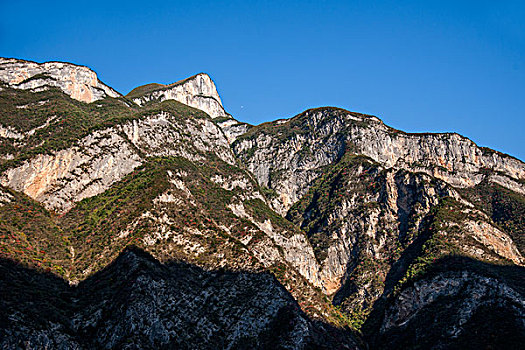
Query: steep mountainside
x,y
381,207
409,239
286,155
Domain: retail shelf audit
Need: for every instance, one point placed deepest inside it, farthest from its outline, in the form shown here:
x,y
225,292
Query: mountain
x,y
383,239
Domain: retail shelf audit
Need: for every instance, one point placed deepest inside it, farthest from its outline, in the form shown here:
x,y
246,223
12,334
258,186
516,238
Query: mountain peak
x,y
79,82
198,91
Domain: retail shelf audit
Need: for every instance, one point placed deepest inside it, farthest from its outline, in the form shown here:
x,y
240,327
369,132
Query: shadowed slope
x,y
136,302
460,303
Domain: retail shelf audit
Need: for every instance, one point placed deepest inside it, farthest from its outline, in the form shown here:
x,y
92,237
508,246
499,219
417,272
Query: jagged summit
x,y
79,82
148,88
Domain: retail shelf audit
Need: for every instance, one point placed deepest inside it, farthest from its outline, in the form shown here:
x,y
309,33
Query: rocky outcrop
x,y
79,82
367,223
359,212
139,303
199,92
68,176
9,132
232,128
295,247
5,197
163,135
493,239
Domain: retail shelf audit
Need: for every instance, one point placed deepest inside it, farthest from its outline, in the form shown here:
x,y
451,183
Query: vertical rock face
x,y
79,82
373,200
198,91
362,219
100,159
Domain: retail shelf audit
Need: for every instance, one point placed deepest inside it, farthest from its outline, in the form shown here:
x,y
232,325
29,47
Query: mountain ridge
x,y
182,81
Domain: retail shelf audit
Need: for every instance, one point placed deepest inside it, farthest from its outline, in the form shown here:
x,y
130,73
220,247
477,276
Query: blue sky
x,y
419,65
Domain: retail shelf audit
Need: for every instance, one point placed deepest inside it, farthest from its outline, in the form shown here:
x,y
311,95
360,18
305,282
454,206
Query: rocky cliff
x,y
198,91
459,304
366,226
379,206
79,82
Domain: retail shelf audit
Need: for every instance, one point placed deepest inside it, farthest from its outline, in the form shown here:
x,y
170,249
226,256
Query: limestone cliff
x,y
95,162
79,82
59,180
367,224
198,91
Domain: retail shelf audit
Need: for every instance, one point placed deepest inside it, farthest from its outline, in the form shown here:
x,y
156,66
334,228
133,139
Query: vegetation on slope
x,y
53,119
144,89
30,235
98,228
505,207
200,227
341,203
118,217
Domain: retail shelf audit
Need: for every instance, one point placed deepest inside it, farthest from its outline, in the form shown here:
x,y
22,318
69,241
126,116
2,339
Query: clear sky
x,y
418,65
